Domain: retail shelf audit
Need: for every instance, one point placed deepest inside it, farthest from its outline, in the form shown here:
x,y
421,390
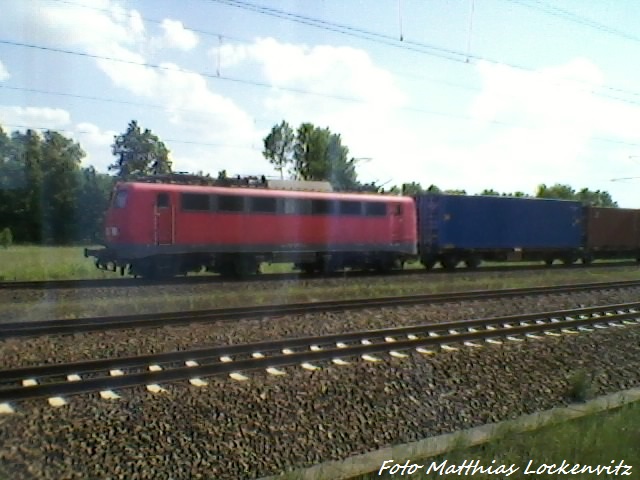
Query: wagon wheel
x,y
449,262
428,262
473,261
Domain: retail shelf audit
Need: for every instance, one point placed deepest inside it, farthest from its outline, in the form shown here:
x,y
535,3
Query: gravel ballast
x,y
58,349
238,430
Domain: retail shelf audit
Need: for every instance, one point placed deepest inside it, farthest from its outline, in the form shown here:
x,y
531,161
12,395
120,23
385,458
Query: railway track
x,y
81,325
105,376
214,279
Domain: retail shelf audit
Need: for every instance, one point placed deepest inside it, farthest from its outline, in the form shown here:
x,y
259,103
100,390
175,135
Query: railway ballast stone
x,y
89,346
245,430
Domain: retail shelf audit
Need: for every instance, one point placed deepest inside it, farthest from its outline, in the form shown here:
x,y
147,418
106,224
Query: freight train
x,y
164,229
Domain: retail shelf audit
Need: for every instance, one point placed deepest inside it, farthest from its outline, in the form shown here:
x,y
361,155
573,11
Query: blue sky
x,y
502,94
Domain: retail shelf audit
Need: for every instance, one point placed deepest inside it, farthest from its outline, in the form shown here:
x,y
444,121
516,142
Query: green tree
x,y
586,196
61,159
320,155
92,199
596,199
413,188
490,192
6,238
279,147
139,153
12,182
557,191
28,203
455,192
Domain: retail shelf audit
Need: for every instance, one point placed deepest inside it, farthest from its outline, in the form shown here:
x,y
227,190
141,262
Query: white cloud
x,y
4,73
176,36
193,109
33,117
340,71
96,143
351,95
551,123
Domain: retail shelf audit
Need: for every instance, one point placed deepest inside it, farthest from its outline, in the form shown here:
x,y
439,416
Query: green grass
x,y
26,263
593,440
31,263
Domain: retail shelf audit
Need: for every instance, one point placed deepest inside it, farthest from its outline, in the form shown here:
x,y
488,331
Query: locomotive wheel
x,y
244,266
155,269
384,265
308,268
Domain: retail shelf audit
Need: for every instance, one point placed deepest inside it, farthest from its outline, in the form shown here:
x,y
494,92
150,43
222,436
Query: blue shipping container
x,y
495,223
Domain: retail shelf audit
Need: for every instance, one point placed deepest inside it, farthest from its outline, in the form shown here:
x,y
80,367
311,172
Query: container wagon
x,y
611,233
470,229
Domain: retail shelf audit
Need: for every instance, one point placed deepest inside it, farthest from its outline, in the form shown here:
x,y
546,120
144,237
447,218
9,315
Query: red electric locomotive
x,y
163,229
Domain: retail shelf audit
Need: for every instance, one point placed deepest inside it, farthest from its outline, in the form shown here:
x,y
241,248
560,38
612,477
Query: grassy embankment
x,y
32,263
40,263
603,439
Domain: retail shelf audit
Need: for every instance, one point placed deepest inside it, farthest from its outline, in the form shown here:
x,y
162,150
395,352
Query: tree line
x,y
597,198
47,197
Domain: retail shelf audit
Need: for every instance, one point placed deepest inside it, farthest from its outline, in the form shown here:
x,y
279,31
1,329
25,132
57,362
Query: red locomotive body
x,y
167,229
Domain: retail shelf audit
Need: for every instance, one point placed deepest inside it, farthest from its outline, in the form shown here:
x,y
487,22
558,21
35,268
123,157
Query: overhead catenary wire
x,y
416,47
438,52
284,88
266,85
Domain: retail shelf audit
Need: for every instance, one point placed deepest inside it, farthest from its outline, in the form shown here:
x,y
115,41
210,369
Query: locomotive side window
x,y
195,202
295,206
375,209
262,204
162,200
120,200
230,203
323,207
350,208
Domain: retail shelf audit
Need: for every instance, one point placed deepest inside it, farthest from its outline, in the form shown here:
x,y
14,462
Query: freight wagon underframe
x,y
472,258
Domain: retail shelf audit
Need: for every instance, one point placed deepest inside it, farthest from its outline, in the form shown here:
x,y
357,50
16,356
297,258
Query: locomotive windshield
x,y
120,200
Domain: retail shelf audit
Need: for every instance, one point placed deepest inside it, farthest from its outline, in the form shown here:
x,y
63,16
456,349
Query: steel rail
x,y
215,279
495,327
80,325
294,342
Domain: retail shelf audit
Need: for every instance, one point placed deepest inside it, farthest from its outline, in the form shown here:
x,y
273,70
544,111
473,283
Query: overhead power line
x,y
416,47
574,18
419,47
166,140
266,85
